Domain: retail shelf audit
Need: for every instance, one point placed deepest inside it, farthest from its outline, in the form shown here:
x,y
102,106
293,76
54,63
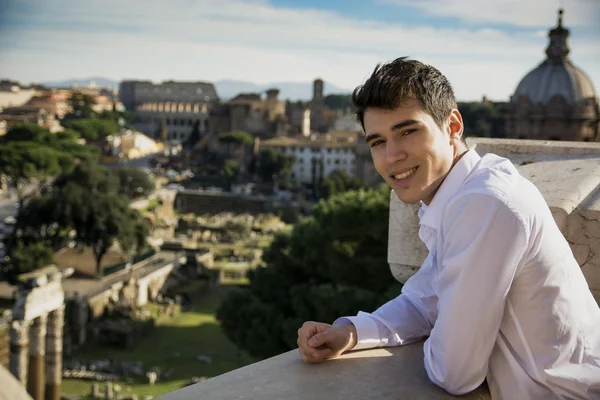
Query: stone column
x,y
54,344
37,350
19,341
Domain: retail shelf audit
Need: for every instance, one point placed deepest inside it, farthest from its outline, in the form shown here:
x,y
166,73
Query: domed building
x,y
556,100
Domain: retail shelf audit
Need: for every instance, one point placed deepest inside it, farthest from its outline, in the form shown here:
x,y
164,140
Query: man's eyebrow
x,y
403,124
397,126
372,136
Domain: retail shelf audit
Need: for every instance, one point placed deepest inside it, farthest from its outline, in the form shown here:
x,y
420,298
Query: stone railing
x,y
385,374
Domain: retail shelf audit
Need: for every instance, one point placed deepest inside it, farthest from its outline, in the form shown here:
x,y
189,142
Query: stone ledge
x,y
523,146
384,374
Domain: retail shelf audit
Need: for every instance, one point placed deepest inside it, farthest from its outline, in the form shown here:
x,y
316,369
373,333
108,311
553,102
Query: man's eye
x,y
376,143
408,132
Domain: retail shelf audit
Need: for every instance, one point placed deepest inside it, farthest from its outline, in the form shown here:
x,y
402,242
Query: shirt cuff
x,y
367,332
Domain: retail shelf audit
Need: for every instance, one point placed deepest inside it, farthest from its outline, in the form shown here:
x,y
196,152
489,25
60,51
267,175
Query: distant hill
x,y
226,89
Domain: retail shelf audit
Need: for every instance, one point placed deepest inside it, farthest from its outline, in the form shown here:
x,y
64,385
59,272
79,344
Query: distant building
x,y
178,106
130,145
318,155
346,121
556,100
13,95
28,114
250,112
55,101
317,108
365,169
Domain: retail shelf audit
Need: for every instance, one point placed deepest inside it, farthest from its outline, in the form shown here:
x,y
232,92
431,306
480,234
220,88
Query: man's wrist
x,y
352,336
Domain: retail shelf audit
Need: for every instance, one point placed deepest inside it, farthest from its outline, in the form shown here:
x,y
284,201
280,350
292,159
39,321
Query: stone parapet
x,y
383,374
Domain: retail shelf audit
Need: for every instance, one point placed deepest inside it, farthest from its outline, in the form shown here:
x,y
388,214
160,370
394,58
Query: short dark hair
x,y
402,79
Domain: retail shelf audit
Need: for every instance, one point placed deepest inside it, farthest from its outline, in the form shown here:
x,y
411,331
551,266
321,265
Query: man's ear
x,y
455,125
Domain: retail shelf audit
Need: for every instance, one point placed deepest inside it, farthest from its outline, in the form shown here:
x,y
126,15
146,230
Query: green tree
x,y
31,163
333,263
133,182
194,135
231,168
65,141
237,137
338,101
338,182
36,222
81,106
25,132
108,219
484,119
93,129
272,164
90,202
27,258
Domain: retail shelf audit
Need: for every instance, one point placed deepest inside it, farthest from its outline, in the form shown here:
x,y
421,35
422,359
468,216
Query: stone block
x,y
406,251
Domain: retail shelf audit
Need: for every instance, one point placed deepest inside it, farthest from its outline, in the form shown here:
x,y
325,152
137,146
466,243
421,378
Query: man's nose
x,y
395,152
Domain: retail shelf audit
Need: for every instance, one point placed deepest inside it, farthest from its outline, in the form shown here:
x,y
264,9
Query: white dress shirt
x,y
500,294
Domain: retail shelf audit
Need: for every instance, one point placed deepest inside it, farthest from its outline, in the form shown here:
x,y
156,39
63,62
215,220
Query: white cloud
x,y
253,40
526,13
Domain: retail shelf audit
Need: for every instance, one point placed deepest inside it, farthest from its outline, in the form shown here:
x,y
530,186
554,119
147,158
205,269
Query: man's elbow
x,y
456,383
457,388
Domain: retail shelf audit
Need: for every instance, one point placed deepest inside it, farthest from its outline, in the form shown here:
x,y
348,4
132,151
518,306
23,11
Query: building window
x,y
337,161
329,161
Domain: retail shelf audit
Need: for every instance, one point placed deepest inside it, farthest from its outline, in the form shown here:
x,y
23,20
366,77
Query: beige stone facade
x,y
176,106
251,112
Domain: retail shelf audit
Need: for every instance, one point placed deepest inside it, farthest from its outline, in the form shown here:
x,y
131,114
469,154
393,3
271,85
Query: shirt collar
x,y
431,215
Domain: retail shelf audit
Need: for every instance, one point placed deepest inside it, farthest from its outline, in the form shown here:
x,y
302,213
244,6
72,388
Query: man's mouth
x,y
405,174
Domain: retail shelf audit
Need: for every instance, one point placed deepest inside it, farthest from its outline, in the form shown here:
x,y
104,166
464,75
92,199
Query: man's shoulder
x,y
495,180
492,176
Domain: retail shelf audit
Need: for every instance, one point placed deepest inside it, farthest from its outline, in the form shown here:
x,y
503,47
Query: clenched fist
x,y
318,341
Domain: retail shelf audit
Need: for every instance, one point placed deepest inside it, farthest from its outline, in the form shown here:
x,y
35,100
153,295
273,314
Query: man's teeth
x,y
405,174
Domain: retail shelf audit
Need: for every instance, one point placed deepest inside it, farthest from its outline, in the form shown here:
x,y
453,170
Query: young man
x,y
500,294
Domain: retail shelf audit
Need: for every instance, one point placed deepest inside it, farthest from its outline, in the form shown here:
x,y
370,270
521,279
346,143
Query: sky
x,y
483,47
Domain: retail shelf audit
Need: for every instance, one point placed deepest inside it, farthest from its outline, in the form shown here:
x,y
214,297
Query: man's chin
x,y
407,197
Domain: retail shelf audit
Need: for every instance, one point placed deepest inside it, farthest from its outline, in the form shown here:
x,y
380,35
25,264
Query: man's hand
x,y
318,341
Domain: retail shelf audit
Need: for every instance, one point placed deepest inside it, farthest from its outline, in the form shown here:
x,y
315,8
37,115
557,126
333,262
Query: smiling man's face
x,y
410,151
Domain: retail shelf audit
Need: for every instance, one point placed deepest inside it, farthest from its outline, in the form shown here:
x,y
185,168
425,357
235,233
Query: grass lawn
x,y
174,346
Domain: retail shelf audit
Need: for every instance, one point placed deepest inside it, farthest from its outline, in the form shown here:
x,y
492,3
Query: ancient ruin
x,y
36,333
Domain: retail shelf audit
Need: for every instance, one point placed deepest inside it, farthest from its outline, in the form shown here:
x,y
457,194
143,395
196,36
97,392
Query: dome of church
x,y
556,75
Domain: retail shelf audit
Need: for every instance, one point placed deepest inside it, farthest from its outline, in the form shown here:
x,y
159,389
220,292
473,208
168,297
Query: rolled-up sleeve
x,y
483,244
